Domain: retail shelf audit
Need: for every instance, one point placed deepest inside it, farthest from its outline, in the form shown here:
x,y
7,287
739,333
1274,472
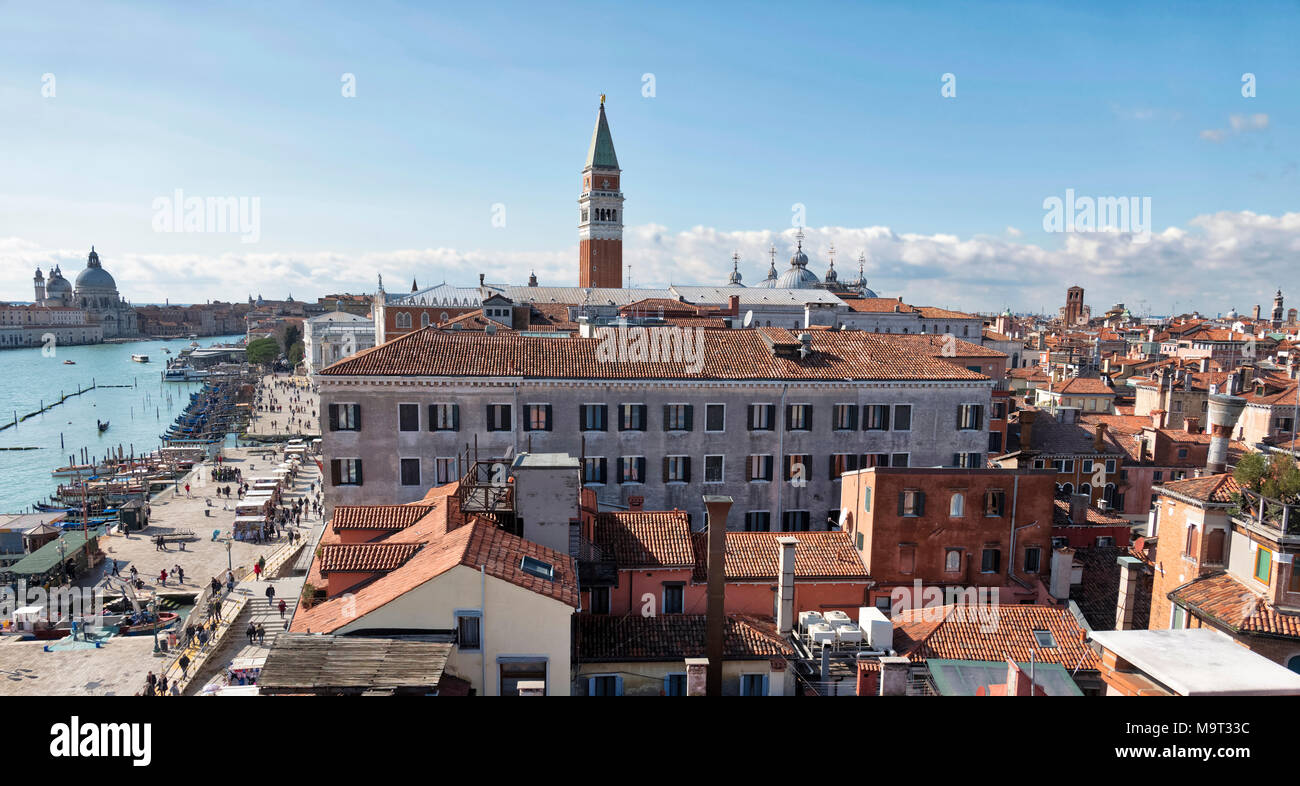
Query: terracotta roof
x,y
753,556
673,637
1061,516
931,312
365,557
879,305
1082,386
728,354
472,320
1215,489
1097,594
646,539
1230,602
956,632
378,516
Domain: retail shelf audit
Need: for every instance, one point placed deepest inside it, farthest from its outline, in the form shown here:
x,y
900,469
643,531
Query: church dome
x,y
797,277
57,284
94,276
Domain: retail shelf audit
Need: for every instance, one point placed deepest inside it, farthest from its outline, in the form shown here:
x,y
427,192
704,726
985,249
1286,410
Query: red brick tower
x,y
600,227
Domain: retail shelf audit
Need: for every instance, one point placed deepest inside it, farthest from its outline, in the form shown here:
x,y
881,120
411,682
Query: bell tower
x,y
600,218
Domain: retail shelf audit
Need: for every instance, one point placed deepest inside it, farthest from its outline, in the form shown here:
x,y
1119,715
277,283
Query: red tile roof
x,y
754,556
673,637
365,557
728,354
378,516
1061,516
1215,489
1082,386
957,632
1225,599
646,539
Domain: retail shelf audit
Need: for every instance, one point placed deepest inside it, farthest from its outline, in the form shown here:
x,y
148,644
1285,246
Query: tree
x,y
262,350
296,351
292,334
1250,471
1283,480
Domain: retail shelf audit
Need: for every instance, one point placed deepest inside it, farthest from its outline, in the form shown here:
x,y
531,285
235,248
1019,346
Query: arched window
x,y
957,506
424,319
1067,489
1109,493
952,561
442,317
403,319
1294,664
1086,488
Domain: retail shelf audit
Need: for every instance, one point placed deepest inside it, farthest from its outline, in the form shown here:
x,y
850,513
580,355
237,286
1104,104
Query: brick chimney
x,y
715,619
1027,428
1158,418
1130,570
1099,438
1192,425
733,305
635,503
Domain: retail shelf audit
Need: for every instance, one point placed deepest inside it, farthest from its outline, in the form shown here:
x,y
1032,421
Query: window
x,y
675,685
1214,547
1086,467
592,417
408,417
410,472
844,417
599,600
1264,565
498,417
911,502
968,460
1157,476
1189,542
866,499
403,319
1044,639
631,417
713,469
875,417
1182,453
761,417
952,561
674,598
957,505
1033,559
631,469
594,470
753,685
899,460
445,470
345,417
468,626
715,417
346,472
798,468
841,463
514,670
539,417
678,417
605,685
902,417
444,417
758,521
677,469
1110,466
906,558
759,468
833,521
875,460
795,521
1177,617
995,442
1040,464
535,567
424,319
990,560
970,417
798,417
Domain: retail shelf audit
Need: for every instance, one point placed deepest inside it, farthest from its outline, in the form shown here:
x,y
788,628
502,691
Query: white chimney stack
x,y
785,587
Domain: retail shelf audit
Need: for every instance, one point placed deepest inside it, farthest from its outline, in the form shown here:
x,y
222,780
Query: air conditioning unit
x,y
821,633
807,618
849,633
878,628
838,618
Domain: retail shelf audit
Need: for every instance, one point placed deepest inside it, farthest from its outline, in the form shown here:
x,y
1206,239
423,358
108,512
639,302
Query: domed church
x,y
95,292
798,276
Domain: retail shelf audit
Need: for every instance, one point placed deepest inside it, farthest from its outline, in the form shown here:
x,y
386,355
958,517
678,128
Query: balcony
x,y
1269,517
485,488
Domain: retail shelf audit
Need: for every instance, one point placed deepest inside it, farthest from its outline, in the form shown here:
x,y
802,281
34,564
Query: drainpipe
x,y
482,628
779,461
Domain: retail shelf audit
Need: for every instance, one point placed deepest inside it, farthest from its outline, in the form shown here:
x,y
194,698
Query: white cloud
x,y
1240,124
1217,261
1013,232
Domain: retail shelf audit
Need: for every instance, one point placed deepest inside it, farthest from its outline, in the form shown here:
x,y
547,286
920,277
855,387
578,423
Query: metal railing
x,y
1266,512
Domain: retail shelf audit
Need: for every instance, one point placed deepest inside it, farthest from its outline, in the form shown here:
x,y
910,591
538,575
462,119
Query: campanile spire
x,y
600,224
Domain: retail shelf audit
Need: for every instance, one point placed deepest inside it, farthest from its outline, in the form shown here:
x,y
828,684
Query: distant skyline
x,y
461,151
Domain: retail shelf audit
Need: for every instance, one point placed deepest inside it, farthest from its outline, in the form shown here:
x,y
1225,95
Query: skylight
x,y
1044,638
535,567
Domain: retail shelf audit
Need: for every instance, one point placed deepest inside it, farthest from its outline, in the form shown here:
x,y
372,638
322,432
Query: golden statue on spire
x,y
602,99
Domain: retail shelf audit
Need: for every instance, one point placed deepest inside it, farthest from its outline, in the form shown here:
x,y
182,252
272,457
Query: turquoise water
x,y
137,414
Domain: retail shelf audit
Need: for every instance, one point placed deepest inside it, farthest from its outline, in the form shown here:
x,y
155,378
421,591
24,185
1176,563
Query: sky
x,y
927,138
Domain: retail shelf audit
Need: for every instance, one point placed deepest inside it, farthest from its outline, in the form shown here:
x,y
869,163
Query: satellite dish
x,y
749,318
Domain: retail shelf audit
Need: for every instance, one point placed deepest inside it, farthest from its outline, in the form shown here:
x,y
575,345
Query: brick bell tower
x,y
600,224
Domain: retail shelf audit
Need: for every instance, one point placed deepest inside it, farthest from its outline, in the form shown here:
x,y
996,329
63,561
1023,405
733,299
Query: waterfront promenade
x,y
285,405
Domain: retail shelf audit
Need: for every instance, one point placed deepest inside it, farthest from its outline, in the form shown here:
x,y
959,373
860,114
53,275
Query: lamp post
x,y
229,567
153,605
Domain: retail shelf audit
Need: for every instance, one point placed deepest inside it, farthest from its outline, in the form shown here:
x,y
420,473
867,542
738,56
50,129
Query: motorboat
x,y
140,358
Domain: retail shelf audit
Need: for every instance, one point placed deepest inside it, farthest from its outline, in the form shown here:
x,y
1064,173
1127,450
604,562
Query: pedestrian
x,y
184,663
261,634
162,578
283,607
150,681
216,586
116,571
251,632
187,491
270,593
180,575
162,685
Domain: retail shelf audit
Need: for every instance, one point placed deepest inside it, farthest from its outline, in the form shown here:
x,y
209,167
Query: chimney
x,y
1158,418
635,503
1099,438
1079,508
1192,425
1223,412
480,279
805,344
893,675
1205,364
785,589
1027,428
1130,570
715,619
733,305
1062,567
697,670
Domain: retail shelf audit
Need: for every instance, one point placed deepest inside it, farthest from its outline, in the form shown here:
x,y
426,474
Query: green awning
x,y
47,557
964,677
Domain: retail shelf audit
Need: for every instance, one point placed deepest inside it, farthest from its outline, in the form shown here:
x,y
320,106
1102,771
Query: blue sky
x,y
756,107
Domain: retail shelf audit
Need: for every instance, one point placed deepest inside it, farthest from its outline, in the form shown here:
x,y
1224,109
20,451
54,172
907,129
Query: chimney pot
x,y
1079,508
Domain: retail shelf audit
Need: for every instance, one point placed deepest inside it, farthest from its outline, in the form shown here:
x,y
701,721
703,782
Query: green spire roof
x,y
601,153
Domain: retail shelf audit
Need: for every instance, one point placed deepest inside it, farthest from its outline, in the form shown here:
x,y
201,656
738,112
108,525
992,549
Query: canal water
x,y
138,413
